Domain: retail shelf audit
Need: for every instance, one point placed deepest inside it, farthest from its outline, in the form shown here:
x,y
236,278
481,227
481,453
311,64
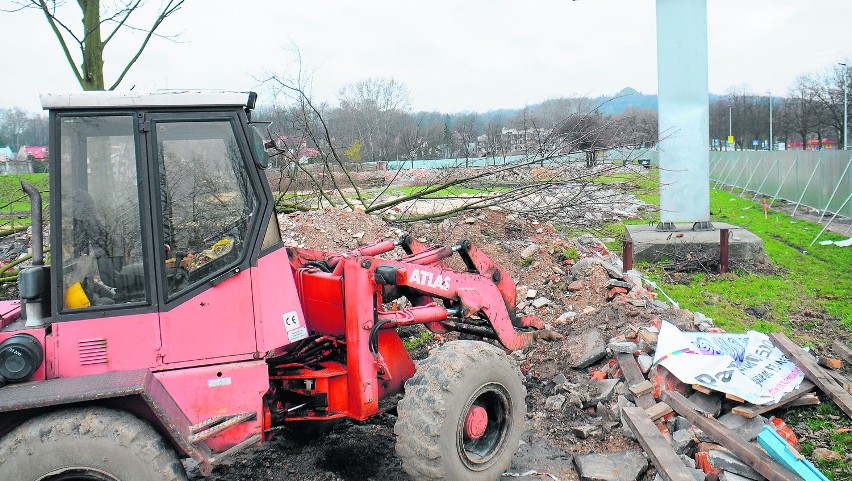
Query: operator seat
x,y
91,231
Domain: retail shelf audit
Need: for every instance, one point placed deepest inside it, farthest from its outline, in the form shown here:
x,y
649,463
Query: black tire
x,y
431,438
91,444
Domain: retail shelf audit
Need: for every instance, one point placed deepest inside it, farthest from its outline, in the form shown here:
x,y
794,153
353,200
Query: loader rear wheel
x,y
88,444
462,415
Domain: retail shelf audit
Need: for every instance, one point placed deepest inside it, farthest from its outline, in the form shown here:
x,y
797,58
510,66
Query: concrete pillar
x,y
684,113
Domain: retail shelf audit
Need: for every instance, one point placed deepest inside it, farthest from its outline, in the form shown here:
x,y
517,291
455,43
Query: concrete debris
x,y
708,404
617,283
541,302
645,361
529,251
555,402
586,431
565,316
727,462
614,271
747,428
729,476
591,349
699,318
584,266
683,441
602,390
659,304
621,466
628,347
823,454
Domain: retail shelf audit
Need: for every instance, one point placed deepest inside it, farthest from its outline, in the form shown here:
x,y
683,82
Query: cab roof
x,y
139,99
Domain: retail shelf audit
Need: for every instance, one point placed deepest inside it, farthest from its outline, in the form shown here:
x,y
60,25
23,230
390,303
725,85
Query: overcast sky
x,y
469,55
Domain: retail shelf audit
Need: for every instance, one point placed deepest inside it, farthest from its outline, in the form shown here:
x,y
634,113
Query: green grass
x,y
811,295
14,203
414,342
814,288
823,422
810,299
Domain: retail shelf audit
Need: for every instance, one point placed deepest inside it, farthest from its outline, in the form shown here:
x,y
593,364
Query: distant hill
x,y
626,99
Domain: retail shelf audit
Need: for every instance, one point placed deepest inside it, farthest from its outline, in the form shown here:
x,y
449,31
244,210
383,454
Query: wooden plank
x,y
633,376
702,389
736,444
829,362
752,410
658,410
842,350
815,373
844,381
734,398
644,387
806,400
669,465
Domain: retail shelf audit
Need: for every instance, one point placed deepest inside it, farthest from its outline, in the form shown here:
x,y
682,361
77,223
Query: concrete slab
x,y
651,246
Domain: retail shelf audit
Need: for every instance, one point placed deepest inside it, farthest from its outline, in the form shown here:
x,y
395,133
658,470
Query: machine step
x,y
250,441
215,425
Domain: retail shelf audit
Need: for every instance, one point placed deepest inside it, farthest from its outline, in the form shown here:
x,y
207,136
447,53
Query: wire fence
x,y
821,180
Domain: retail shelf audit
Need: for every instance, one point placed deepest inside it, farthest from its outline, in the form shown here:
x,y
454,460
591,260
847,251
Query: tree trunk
x,y
93,47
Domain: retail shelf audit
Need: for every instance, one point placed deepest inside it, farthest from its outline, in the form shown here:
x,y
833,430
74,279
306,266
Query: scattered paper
x,y
843,243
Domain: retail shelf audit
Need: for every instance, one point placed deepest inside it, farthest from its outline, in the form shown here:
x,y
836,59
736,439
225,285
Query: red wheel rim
x,y
476,422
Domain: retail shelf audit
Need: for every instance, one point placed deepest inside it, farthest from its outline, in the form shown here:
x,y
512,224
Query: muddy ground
x,y
365,451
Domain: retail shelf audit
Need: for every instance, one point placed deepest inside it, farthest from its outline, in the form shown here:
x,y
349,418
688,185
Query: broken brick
x,y
784,431
610,294
702,462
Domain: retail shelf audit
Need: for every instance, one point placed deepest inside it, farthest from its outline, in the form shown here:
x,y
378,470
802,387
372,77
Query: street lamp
x,y
845,108
771,141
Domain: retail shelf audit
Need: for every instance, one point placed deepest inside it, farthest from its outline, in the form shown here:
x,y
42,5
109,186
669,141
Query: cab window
x,y
207,201
101,251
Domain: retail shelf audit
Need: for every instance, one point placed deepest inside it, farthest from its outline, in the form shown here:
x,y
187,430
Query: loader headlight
x,y
20,357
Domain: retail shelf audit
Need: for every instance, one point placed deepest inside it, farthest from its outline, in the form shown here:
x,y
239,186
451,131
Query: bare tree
x,y
803,108
828,92
369,106
83,46
548,181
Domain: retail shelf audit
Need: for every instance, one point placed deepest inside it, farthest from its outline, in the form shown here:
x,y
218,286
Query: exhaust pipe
x,y
32,282
35,215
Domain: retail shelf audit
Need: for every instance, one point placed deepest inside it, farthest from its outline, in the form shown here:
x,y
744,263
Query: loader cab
x,y
159,208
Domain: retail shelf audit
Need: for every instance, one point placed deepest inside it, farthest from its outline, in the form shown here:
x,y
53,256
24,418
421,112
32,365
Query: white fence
x,y
821,180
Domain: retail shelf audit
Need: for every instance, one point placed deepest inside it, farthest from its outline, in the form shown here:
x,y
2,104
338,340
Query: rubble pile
x,y
599,408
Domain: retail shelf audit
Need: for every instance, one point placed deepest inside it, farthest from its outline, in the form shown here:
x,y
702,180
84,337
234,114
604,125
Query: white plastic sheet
x,y
747,366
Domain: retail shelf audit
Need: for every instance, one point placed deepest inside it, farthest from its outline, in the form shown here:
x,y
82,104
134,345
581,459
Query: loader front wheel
x,y
462,415
88,444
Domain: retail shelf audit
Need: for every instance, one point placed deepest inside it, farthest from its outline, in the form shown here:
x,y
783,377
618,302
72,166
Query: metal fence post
x,y
758,191
832,218
781,184
819,161
749,178
730,171
742,171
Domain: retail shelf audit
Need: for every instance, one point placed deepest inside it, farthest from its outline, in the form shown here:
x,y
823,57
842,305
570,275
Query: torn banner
x,y
747,366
